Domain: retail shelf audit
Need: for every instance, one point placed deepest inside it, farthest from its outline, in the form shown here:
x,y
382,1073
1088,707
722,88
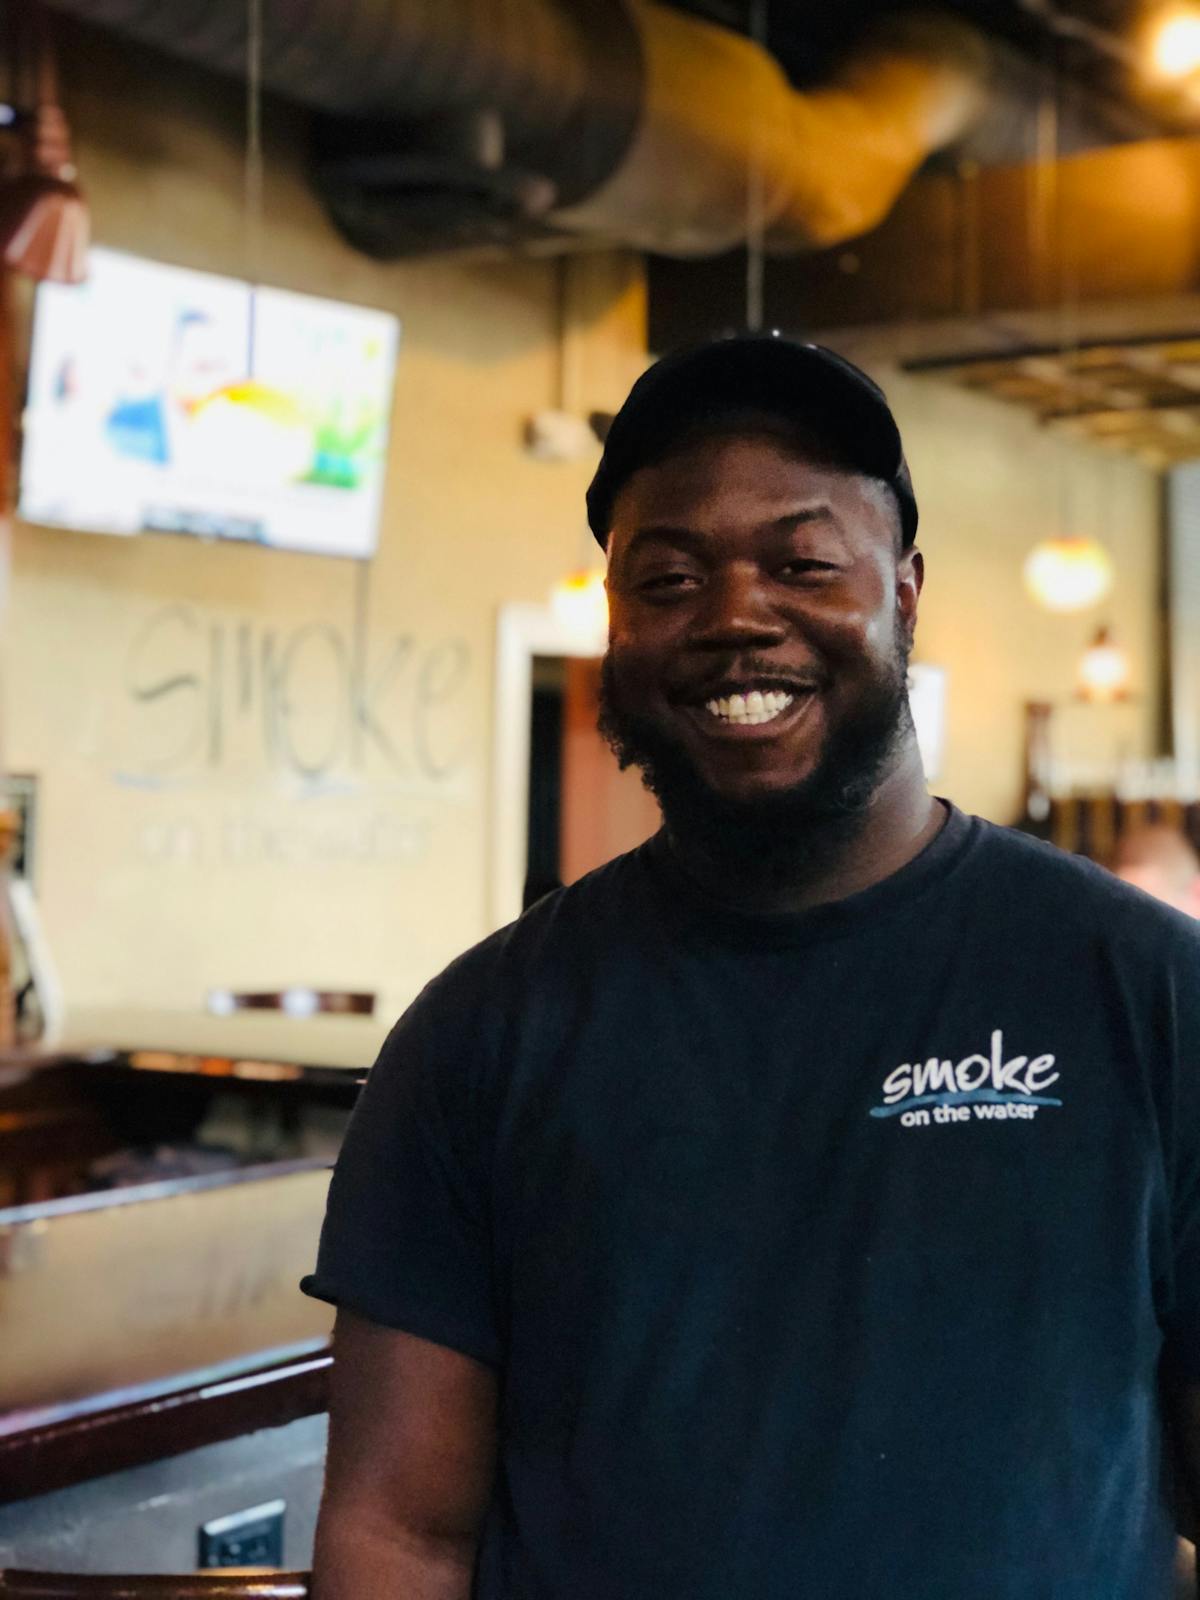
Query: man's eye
x,y
803,567
666,582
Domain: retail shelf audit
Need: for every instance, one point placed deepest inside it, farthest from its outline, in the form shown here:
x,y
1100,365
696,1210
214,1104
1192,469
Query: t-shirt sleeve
x,y
406,1240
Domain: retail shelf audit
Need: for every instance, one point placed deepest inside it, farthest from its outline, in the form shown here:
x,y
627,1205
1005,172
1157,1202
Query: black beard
x,y
788,830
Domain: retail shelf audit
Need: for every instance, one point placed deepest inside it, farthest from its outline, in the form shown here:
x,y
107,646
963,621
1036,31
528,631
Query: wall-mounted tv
x,y
168,401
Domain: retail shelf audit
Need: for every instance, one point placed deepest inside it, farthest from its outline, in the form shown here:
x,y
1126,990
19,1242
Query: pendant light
x,y
1068,573
1173,44
44,223
1104,672
579,603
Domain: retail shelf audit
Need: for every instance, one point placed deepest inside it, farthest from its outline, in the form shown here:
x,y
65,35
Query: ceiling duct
x,y
451,123
831,160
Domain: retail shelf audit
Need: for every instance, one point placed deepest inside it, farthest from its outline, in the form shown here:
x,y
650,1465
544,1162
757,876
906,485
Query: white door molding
x,y
523,631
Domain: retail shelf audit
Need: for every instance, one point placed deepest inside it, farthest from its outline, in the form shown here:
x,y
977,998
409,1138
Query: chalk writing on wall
x,y
206,696
247,839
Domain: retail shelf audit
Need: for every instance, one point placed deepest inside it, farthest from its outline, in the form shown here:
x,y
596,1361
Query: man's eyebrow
x,y
684,538
665,533
822,511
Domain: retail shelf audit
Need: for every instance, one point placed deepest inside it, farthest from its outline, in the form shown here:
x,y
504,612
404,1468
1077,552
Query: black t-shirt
x,y
820,1257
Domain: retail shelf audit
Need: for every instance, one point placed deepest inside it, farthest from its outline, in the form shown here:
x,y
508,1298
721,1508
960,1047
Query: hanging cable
x,y
253,173
756,198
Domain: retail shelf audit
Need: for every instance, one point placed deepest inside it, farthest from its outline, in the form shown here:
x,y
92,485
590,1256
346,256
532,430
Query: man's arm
x,y
412,1450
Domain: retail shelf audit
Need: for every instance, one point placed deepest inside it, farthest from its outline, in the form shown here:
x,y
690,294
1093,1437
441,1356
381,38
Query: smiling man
x,y
806,1204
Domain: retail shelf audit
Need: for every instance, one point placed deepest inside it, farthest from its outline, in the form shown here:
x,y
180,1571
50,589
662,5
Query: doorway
x,y
583,810
561,804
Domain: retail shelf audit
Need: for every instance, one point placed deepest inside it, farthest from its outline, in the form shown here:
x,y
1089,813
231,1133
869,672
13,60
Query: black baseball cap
x,y
761,372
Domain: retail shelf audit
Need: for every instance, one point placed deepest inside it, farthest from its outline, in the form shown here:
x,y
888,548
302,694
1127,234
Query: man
x,y
1159,860
806,1204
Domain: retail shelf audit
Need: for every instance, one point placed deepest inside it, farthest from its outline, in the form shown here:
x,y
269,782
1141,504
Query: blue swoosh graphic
x,y
992,1096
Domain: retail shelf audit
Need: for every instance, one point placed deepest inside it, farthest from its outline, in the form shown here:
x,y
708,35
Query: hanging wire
x,y
970,251
756,199
566,355
1051,282
1067,255
1066,245
1064,261
253,175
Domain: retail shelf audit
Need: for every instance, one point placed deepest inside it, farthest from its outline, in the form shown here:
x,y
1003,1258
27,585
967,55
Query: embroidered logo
x,y
977,1088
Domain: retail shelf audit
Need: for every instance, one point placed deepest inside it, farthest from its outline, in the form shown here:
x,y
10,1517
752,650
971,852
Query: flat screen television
x,y
169,401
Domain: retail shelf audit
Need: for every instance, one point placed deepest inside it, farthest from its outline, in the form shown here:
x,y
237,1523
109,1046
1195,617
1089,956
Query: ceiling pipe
x,y
718,114
547,88
466,122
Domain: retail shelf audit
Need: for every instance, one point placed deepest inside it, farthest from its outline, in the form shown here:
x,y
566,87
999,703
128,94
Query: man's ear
x,y
910,577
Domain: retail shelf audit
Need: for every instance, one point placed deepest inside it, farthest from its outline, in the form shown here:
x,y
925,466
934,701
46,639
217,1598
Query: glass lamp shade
x,y
44,222
1104,670
1068,574
44,228
580,605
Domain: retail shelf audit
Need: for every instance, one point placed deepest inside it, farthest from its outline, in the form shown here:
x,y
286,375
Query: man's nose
x,y
737,610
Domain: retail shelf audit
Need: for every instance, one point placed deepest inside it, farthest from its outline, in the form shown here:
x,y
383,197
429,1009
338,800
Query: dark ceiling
x,y
799,28
1092,44
1086,57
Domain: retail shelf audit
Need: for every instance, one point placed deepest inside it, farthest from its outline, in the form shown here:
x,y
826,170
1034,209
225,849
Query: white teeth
x,y
750,709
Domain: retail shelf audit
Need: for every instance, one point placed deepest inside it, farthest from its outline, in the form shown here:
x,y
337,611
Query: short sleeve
x,y
406,1238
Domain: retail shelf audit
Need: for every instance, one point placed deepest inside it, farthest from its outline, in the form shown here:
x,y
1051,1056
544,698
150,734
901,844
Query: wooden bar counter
x,y
157,1209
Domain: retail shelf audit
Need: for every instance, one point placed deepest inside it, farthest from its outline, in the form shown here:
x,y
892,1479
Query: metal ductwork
x,y
719,118
452,123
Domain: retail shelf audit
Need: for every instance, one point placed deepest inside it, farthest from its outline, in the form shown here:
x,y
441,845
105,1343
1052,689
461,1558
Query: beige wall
x,y
991,483
173,857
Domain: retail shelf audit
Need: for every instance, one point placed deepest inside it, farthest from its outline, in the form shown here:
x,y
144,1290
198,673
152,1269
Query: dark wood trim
x,y
265,1071
1164,657
159,1189
1057,349
215,1585
72,1449
17,1064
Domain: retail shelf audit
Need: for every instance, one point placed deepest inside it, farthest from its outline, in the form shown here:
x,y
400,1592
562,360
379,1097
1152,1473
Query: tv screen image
x,y
166,400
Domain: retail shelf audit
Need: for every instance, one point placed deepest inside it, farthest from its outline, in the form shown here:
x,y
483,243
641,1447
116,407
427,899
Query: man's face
x,y
747,565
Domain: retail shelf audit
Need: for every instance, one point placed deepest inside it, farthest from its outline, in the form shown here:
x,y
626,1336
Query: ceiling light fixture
x,y
1068,571
1104,671
1174,44
580,604
1068,574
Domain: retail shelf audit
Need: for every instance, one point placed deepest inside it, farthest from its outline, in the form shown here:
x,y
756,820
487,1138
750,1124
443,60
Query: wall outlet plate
x,y
250,1538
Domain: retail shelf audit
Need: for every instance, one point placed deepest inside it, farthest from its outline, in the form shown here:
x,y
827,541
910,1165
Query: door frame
x,y
523,631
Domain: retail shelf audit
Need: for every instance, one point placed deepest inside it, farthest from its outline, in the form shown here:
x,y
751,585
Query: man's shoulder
x,y
1041,880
